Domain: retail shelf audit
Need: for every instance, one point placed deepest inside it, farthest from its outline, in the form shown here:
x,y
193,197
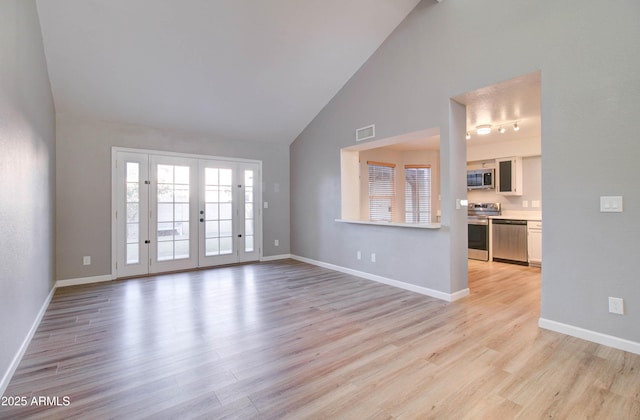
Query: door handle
x,y
239,235
201,219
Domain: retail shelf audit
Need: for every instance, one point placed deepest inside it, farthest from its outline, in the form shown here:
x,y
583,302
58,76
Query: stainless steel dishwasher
x,y
509,241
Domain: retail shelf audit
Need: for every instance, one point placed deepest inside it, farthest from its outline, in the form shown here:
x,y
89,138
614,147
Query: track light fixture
x,y
485,129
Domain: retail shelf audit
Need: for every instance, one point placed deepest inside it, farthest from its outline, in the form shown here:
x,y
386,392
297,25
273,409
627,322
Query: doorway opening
x,y
503,132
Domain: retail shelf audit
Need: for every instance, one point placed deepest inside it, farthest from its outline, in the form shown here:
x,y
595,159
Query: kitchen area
x,y
505,224
504,172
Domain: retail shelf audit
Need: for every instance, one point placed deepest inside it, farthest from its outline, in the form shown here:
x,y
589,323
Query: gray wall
x,y
27,159
84,186
588,56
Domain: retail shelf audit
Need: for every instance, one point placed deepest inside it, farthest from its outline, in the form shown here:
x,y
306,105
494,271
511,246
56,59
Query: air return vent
x,y
366,133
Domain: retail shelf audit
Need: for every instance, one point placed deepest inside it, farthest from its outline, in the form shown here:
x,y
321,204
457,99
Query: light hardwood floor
x,y
290,340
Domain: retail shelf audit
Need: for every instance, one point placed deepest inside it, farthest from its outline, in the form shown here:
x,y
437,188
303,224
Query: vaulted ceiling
x,y
256,70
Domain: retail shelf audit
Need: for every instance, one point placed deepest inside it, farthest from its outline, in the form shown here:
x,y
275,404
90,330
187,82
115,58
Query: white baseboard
x,y
593,336
275,257
449,297
6,378
83,280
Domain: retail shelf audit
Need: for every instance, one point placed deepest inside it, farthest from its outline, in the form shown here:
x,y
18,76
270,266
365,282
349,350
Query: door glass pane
x,y
248,227
133,253
132,205
132,212
133,234
182,212
165,193
248,178
226,246
182,249
181,230
133,189
165,212
182,175
225,228
165,174
165,251
211,229
218,211
165,231
226,194
249,214
173,212
212,246
211,195
225,211
133,172
225,177
211,176
181,194
211,210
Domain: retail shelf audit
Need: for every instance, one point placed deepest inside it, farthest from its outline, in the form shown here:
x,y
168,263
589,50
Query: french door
x,y
177,212
228,212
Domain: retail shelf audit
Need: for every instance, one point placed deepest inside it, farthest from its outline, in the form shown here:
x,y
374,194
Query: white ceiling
x,y
502,104
232,69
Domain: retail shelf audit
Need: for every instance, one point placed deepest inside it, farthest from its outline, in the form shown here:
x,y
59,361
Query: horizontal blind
x,y
417,193
382,191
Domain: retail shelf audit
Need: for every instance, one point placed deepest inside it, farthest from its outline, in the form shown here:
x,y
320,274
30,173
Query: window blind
x,y
417,194
382,191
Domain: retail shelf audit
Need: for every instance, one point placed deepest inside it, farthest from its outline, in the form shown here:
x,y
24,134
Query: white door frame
x,y
114,194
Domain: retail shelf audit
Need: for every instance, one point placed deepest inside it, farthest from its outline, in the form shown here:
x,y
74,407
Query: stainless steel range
x,y
478,227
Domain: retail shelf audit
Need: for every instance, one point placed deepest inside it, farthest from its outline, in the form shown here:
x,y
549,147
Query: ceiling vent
x,y
366,133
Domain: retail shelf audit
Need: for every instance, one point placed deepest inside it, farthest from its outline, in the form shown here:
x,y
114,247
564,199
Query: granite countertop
x,y
519,215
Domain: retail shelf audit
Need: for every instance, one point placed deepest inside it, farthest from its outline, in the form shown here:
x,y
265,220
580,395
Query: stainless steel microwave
x,y
480,179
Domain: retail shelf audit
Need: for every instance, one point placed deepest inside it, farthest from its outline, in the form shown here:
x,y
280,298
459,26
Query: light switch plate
x,y
611,204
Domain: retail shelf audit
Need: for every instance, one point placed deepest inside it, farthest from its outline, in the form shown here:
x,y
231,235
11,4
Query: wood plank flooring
x,y
289,340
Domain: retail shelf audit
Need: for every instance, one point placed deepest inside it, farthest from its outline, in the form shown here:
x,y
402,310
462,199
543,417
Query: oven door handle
x,y
478,222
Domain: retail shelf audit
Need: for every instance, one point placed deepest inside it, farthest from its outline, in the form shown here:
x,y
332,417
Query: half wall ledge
x,y
394,224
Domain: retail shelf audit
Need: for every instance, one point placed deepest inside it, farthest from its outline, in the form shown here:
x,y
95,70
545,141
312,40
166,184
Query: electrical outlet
x,y
86,260
525,203
276,242
535,204
266,204
373,257
359,255
616,305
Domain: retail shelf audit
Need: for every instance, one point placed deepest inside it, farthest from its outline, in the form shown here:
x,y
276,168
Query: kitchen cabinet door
x,y
509,176
534,239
